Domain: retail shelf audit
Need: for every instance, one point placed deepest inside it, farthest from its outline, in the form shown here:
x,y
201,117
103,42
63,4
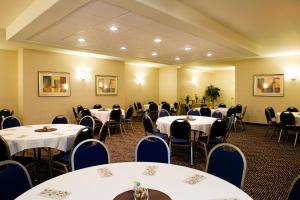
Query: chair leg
x,y
121,129
266,134
108,132
192,161
296,137
132,127
280,135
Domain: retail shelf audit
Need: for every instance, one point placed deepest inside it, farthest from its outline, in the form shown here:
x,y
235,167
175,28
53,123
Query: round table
x,y
103,115
200,123
173,180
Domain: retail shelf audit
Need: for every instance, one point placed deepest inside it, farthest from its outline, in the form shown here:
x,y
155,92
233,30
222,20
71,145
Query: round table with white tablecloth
x,y
103,115
105,182
199,123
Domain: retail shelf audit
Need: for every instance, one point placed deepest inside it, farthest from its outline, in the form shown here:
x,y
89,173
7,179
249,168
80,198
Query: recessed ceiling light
x,y
81,40
157,40
154,53
187,48
113,28
209,54
123,48
177,58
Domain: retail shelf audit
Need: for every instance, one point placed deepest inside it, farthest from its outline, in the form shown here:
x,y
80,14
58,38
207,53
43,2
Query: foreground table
x,y
200,123
173,180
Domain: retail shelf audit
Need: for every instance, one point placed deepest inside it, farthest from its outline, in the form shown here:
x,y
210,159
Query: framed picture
x,y
54,84
106,85
268,85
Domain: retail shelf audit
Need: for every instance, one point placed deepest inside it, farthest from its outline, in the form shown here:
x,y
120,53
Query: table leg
x,y
50,162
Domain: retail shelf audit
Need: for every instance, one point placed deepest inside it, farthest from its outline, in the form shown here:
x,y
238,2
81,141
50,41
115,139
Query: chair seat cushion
x,y
24,160
63,157
176,140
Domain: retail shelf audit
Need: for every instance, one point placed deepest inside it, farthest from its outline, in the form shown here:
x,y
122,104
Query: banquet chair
x,y
216,135
153,111
115,119
229,122
116,106
152,149
238,109
163,113
187,108
4,150
60,119
79,108
85,112
87,121
194,112
97,106
174,109
205,111
88,153
75,115
10,121
128,118
292,109
139,110
222,105
271,120
14,180
103,132
63,159
181,135
294,190
232,111
227,162
288,123
149,128
217,114
239,118
166,106
6,113
203,105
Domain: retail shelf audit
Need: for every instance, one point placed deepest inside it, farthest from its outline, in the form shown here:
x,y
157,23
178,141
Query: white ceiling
x,y
231,29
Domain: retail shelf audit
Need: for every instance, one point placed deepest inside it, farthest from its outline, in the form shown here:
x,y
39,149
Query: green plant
x,y
212,93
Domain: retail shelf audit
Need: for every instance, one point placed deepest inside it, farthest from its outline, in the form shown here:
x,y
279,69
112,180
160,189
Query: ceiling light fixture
x,y
123,48
113,28
81,40
187,48
157,40
177,58
209,54
154,53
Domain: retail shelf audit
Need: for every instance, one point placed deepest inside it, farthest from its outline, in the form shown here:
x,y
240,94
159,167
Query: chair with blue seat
x,y
292,109
163,113
152,149
63,159
271,120
149,128
174,109
194,112
89,153
153,111
128,118
166,106
205,111
216,135
294,190
60,119
6,112
115,119
87,121
85,112
116,106
288,125
97,106
227,162
222,105
217,114
79,108
229,122
181,135
103,132
10,121
14,180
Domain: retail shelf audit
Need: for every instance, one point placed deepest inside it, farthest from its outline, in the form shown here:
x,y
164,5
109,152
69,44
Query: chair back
x,y
75,113
218,129
139,105
231,111
115,114
152,149
238,108
166,106
116,106
97,106
229,122
287,119
203,105
227,162
292,109
180,128
194,112
187,108
153,107
271,112
217,114
163,113
4,150
85,112
83,134
60,119
268,116
244,112
10,121
79,108
103,132
6,112
135,106
148,124
205,111
129,112
222,105
294,190
87,121
176,105
88,153
14,179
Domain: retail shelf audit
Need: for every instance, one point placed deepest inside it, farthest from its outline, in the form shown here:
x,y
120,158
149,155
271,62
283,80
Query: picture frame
x,y
106,85
268,85
53,84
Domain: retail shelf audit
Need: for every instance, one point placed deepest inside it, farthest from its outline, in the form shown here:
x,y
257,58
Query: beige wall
x,y
256,105
168,84
8,77
144,91
43,109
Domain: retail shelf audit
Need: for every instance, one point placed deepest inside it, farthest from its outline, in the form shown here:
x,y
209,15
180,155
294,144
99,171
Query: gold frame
x,y
106,85
268,85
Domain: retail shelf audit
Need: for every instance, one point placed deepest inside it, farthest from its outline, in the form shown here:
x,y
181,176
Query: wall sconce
x,y
140,78
292,74
83,75
194,80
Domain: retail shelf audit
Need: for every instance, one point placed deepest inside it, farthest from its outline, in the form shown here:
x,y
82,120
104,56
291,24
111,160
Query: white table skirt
x,y
296,114
88,184
24,137
222,110
103,115
200,124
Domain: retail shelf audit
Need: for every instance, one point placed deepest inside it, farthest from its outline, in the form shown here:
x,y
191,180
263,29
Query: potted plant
x,y
212,93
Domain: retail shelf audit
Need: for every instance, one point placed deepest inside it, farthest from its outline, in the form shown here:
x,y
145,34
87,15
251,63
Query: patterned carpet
x,y
271,166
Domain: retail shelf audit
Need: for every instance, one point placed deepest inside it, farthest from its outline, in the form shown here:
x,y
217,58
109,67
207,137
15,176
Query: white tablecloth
x,y
200,123
24,137
296,114
103,115
88,184
222,110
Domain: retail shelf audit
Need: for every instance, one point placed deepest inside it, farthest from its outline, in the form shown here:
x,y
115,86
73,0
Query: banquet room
x,y
149,99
